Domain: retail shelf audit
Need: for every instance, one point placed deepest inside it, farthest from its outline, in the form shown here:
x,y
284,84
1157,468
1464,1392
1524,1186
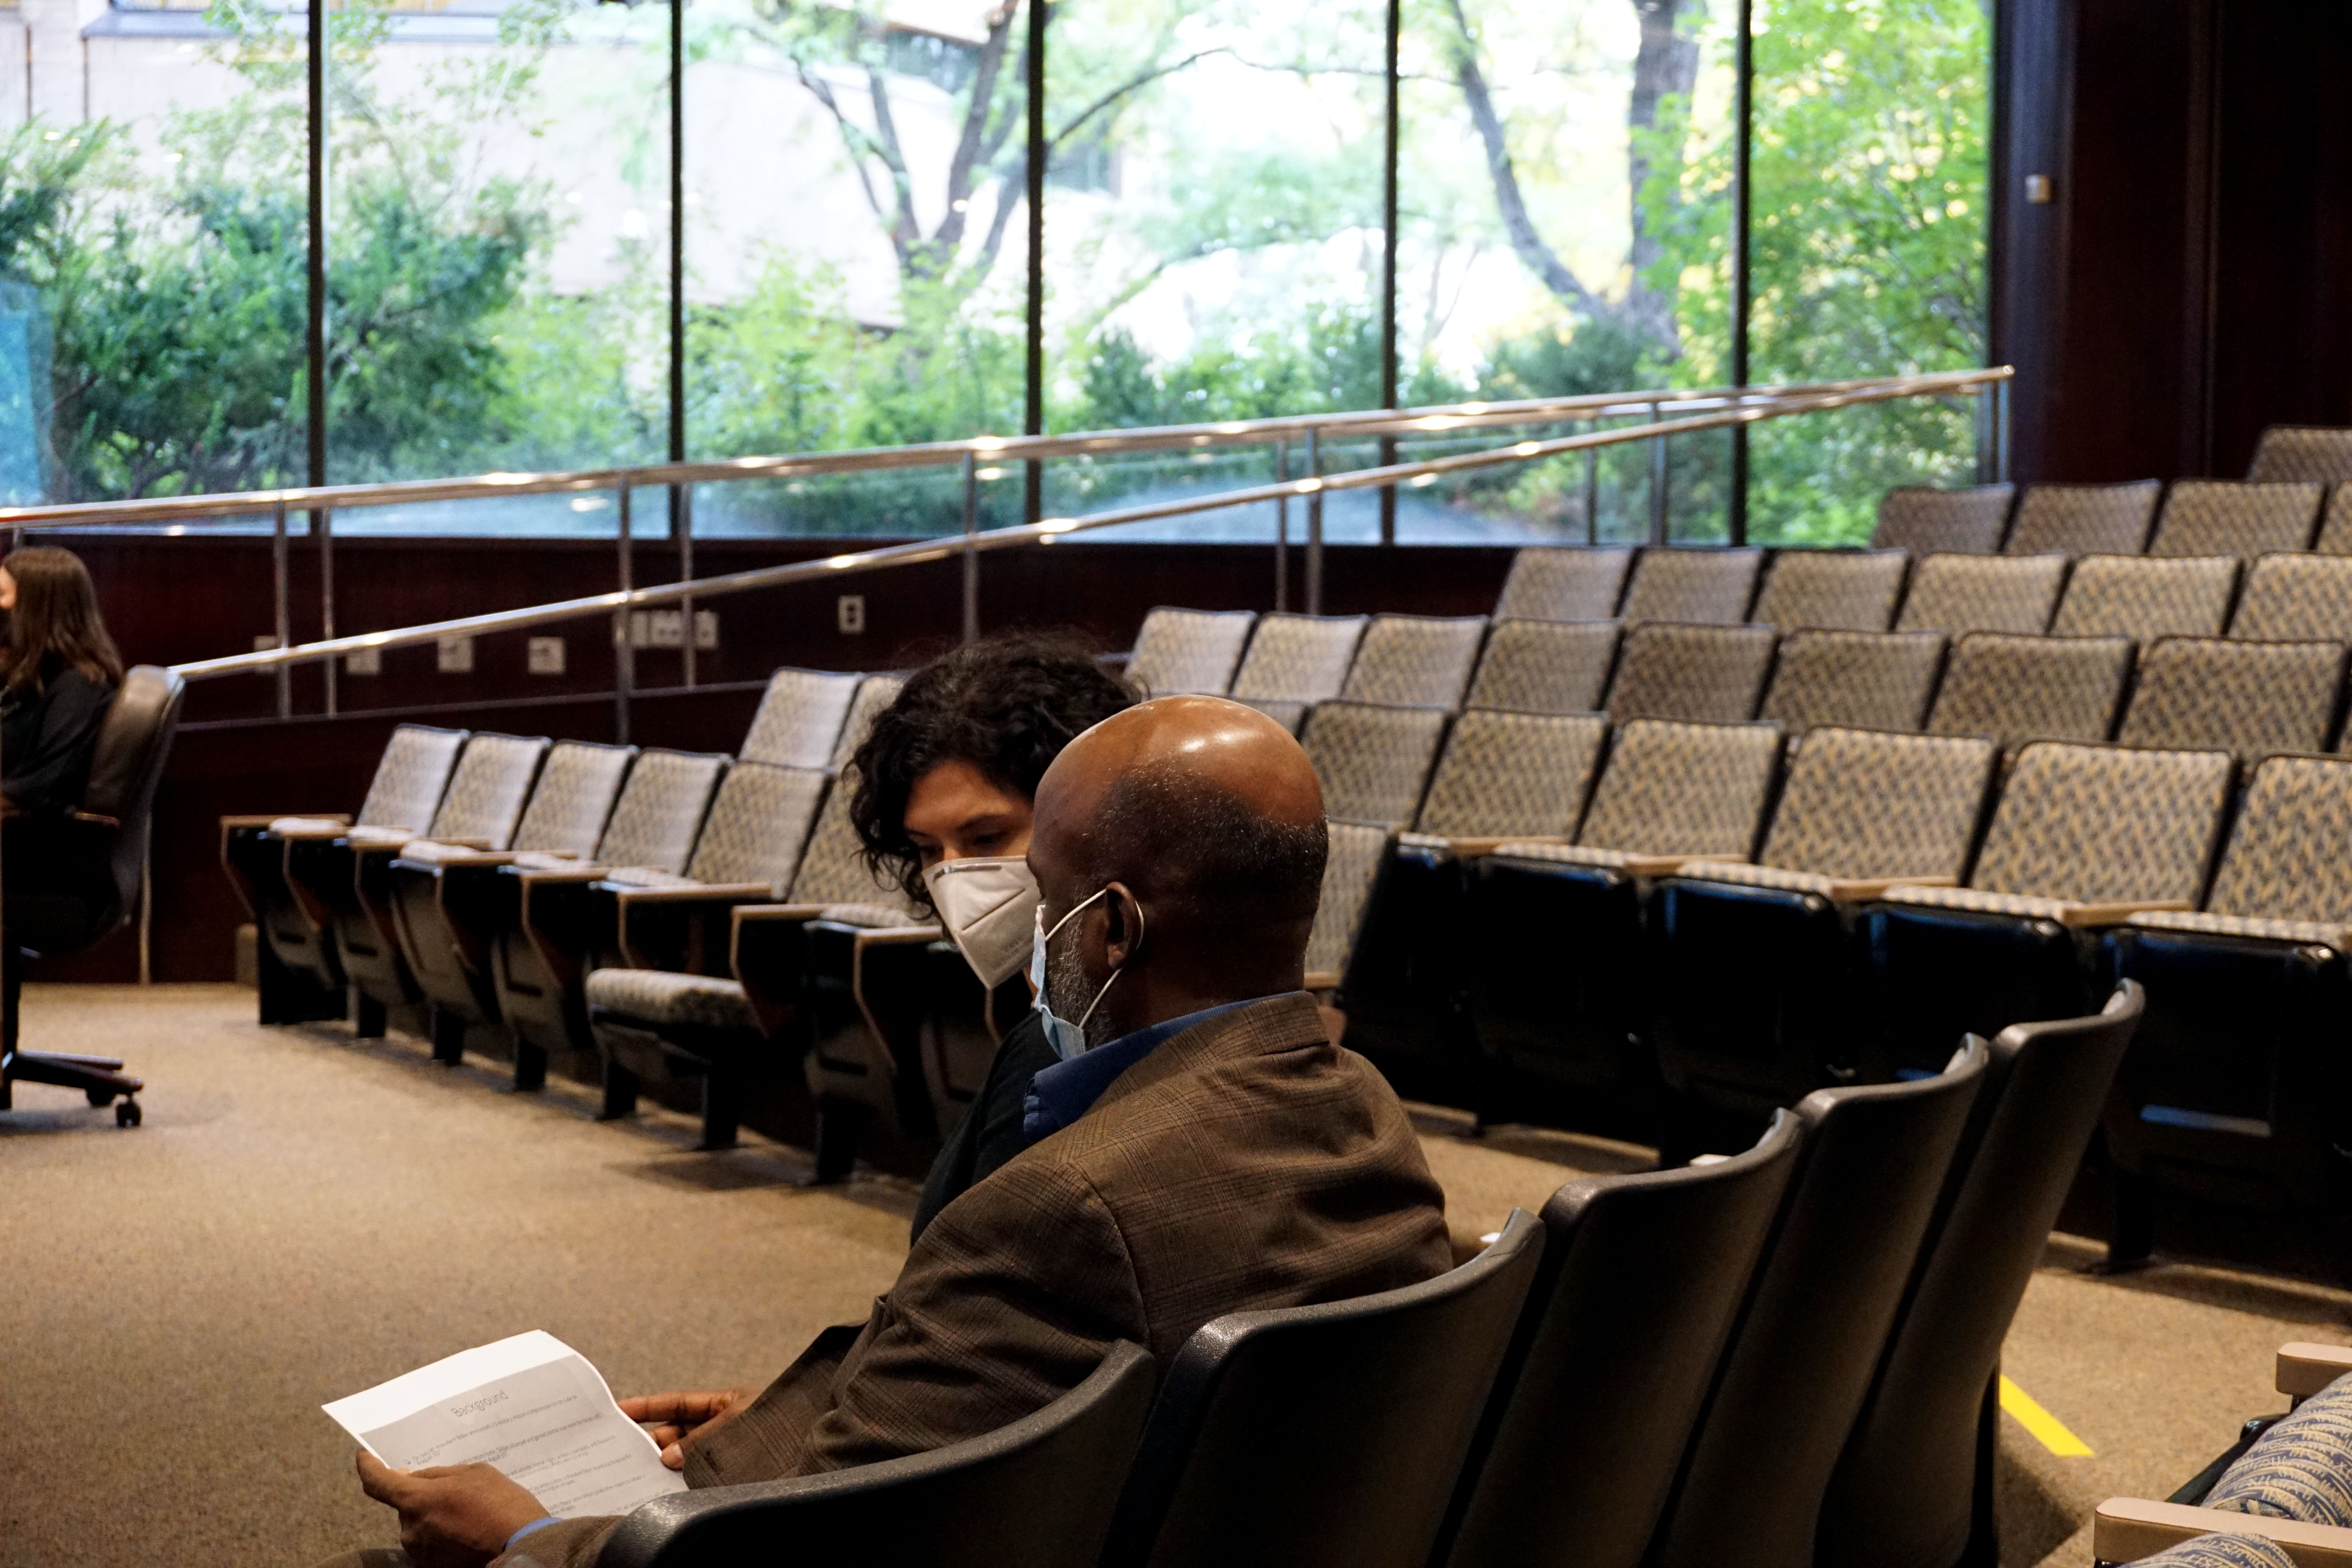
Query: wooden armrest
x,y
483,858
746,914
1861,889
552,875
264,818
896,936
2080,916
328,827
696,893
2129,1529
2305,1369
1667,865
94,817
1475,849
1321,980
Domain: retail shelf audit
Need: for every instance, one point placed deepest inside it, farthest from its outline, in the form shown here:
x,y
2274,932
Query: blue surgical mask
x,y
1067,1039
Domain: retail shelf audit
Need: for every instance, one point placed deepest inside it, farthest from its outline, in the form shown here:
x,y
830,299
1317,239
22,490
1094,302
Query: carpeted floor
x,y
302,1217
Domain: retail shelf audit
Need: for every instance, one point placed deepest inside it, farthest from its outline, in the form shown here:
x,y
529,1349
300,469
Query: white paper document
x,y
532,1408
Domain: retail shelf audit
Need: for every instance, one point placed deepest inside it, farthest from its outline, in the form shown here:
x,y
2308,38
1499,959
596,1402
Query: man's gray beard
x,y
1066,990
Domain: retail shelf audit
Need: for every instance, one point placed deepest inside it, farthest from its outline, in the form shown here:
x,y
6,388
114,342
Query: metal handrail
x,y
1734,408
1434,419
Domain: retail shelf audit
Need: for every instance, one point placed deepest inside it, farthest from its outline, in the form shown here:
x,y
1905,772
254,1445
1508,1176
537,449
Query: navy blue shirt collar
x,y
1060,1094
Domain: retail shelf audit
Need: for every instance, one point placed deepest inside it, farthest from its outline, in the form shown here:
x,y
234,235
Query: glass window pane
x,y
856,250
1868,248
497,180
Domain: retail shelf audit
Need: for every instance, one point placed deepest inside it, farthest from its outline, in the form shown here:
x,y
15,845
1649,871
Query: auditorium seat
x,y
1373,762
2227,517
2084,519
1752,976
2291,452
1502,776
2249,698
442,896
1960,594
2239,1085
1691,674
2021,688
746,853
1641,1278
1838,590
1037,1493
1553,931
1327,1435
1546,667
2336,523
1925,520
1358,857
1706,585
351,878
1826,1295
1862,680
1549,583
540,947
302,976
2084,836
1296,661
2296,598
2145,598
1415,661
1915,1489
1182,651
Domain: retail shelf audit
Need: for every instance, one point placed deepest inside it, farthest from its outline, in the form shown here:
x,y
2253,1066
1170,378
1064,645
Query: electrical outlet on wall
x,y
363,661
849,614
453,656
706,631
545,655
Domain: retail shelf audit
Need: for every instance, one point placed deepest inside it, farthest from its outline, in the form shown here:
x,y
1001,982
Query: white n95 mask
x,y
989,906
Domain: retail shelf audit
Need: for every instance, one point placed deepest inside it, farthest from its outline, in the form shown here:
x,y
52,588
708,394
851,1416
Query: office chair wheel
x,y
100,1097
128,1114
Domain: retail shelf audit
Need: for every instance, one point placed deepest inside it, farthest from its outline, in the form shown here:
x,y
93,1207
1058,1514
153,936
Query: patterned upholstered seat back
x,y
1960,522
833,868
2335,524
2105,824
1373,760
875,693
2302,452
1859,803
575,794
799,718
2084,520
1706,675
1416,660
1550,583
1957,594
1700,585
2290,855
661,809
1683,789
1357,851
2249,698
1514,776
1843,590
2296,598
1180,651
2143,598
487,790
757,826
1546,667
410,778
1865,680
2032,688
1299,658
2223,517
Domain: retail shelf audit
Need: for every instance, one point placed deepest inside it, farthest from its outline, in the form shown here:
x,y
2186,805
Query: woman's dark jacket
x,y
46,737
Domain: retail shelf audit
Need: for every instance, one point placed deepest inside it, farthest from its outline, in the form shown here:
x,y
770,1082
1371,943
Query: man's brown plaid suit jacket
x,y
1246,1163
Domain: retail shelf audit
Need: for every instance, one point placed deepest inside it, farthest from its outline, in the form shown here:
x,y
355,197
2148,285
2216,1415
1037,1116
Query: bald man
x,y
1201,1149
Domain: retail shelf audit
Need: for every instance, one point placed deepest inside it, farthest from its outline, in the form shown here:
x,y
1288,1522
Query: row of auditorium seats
x,y
1784,1358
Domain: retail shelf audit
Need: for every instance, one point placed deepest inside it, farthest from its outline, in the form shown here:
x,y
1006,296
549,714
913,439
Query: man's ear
x,y
1123,925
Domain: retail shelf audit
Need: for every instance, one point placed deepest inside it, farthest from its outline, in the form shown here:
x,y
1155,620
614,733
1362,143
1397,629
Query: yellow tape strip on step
x,y
2047,1429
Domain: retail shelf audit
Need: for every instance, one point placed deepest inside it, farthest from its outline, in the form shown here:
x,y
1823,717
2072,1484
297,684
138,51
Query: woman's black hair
x,y
1006,704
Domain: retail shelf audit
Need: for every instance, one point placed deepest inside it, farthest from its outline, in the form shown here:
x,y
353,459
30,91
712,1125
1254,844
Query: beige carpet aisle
x,y
302,1217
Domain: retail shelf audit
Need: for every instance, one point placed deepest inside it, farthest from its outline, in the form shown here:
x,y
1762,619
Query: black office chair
x,y
70,883
1642,1277
1914,1488
1825,1301
1037,1494
1324,1436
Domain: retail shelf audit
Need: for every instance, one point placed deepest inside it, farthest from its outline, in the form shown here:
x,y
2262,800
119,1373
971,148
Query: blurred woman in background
x,y
57,673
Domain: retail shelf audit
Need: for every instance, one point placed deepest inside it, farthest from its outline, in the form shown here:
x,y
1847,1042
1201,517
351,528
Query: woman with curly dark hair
x,y
947,781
